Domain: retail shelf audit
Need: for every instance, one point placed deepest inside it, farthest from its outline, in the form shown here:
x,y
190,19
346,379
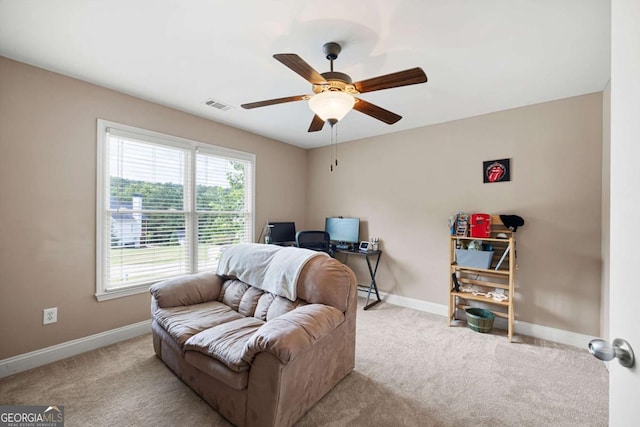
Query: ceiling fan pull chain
x,y
336,144
330,159
331,151
334,154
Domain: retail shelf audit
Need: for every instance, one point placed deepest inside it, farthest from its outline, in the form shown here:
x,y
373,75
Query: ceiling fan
x,y
335,94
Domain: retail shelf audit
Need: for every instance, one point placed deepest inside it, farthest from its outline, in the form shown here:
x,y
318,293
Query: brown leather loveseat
x,y
259,359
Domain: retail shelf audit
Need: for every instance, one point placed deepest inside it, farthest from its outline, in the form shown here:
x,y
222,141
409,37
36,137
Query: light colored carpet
x,y
411,370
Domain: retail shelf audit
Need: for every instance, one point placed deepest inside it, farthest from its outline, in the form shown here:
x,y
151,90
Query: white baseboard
x,y
523,328
552,334
407,302
44,356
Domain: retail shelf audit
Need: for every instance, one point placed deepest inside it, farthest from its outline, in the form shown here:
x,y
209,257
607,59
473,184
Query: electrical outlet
x,y
50,315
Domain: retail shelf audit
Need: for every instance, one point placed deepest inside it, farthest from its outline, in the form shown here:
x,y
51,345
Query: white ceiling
x,y
479,56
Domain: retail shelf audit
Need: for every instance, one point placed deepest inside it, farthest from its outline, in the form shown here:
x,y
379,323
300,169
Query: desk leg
x,y
372,285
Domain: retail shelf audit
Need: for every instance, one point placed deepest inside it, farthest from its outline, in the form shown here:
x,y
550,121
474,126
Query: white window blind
x,y
166,207
221,203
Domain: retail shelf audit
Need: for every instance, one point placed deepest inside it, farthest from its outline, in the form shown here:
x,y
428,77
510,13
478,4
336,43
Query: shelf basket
x,y
480,320
474,259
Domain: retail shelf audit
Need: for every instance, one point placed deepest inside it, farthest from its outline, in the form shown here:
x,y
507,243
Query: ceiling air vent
x,y
217,105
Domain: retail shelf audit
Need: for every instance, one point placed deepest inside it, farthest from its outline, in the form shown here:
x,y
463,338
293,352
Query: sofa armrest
x,y
290,334
187,290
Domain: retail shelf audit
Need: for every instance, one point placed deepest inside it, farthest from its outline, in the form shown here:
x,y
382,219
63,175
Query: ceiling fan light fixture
x,y
331,105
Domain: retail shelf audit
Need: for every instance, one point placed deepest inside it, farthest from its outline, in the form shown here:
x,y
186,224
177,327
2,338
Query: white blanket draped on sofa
x,y
271,268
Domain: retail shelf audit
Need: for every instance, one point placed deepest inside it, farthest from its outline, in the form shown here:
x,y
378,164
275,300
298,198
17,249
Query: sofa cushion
x,y
232,292
249,301
263,306
281,305
226,342
218,370
184,322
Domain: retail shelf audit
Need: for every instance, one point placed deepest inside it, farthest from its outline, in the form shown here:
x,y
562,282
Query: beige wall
x,y
402,185
47,199
405,185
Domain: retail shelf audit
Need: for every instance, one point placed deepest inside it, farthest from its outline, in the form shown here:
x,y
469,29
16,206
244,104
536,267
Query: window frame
x,y
192,148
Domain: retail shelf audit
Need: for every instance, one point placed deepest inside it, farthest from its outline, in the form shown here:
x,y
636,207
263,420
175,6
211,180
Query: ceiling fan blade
x,y
274,101
401,78
298,65
316,124
376,112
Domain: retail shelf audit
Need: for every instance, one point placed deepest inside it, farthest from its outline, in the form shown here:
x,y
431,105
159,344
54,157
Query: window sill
x,y
122,292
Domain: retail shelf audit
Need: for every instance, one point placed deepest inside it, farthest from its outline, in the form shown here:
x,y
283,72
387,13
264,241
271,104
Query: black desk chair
x,y
314,240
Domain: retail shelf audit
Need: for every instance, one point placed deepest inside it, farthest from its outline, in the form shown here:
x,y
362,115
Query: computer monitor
x,y
283,232
342,230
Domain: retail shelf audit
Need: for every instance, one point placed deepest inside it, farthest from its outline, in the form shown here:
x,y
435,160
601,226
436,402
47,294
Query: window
x,y
166,207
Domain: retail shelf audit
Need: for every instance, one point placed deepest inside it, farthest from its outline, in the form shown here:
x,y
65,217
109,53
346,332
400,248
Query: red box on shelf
x,y
480,225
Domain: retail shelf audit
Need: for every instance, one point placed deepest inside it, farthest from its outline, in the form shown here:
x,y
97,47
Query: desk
x,y
372,273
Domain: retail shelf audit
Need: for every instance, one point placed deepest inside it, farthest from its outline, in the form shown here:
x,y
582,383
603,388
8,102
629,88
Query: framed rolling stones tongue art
x,y
496,170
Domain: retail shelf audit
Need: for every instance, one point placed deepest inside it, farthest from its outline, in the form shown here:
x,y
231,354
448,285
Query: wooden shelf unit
x,y
486,280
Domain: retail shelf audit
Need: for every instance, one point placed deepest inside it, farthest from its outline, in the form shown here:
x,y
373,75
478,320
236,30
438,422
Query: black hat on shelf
x,y
512,222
